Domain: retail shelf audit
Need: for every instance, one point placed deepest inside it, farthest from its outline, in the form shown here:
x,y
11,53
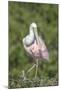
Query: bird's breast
x,y
29,40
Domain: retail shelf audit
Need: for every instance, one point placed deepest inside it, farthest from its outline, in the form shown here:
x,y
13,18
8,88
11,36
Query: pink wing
x,y
44,50
38,51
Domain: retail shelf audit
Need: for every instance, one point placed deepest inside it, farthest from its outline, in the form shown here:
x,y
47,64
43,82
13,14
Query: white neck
x,y
36,35
33,31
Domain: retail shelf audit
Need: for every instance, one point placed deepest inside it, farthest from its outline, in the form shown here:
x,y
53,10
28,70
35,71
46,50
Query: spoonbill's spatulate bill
x,y
34,45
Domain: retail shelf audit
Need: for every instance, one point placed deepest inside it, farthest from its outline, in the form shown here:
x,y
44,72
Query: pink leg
x,y
36,68
31,68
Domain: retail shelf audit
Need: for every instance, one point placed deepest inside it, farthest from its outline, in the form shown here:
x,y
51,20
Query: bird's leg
x,y
36,68
31,68
23,75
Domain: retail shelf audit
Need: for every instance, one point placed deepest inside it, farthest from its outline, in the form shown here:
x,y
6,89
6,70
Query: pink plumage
x,y
35,46
38,50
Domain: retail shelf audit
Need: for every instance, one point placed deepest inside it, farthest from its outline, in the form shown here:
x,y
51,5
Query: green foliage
x,y
21,15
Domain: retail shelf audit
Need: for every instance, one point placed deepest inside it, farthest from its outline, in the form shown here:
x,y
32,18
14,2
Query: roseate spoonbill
x,y
35,46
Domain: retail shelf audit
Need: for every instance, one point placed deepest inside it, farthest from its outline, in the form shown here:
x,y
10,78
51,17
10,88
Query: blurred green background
x,y
21,15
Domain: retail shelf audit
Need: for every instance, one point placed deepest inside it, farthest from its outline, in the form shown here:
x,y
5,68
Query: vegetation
x,y
21,15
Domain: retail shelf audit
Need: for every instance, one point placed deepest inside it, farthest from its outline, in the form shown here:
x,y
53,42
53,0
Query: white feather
x,y
28,40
